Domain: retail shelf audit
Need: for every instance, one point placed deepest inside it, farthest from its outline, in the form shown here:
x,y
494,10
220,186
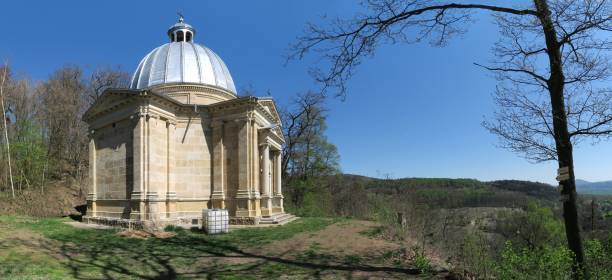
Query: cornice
x,y
193,88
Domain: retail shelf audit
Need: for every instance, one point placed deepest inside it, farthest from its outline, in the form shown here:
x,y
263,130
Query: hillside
x,y
597,188
453,193
59,198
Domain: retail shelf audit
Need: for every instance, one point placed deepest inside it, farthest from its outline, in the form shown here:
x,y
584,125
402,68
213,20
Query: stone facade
x,y
160,155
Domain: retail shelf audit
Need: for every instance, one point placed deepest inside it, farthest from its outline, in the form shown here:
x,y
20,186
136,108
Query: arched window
x,y
188,36
172,37
180,36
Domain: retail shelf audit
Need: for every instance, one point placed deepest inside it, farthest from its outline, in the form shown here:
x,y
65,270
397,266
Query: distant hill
x,y
533,189
456,193
586,187
580,182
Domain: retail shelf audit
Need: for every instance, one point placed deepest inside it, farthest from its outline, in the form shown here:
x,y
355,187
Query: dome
x,y
182,61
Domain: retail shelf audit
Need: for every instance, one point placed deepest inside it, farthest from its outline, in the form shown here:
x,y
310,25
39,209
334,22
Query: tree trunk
x,y
593,205
562,137
8,149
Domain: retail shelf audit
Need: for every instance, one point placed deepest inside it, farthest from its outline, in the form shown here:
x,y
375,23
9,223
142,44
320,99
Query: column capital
x,y
170,122
246,118
138,115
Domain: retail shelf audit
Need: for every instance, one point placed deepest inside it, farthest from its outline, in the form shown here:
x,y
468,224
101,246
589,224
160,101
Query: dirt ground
x,y
341,239
350,243
60,198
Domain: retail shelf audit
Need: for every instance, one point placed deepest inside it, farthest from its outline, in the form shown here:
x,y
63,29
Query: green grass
x,y
54,250
262,236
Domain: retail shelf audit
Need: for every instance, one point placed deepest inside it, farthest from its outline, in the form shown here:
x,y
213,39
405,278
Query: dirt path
x,y
351,252
346,238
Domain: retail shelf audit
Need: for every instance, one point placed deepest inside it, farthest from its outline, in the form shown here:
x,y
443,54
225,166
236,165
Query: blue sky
x,y
411,110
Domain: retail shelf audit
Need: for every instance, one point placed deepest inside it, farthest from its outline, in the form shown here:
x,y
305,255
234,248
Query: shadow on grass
x,y
91,254
82,211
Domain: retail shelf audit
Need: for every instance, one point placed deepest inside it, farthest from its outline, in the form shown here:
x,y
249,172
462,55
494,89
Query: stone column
x,y
219,189
92,195
266,202
278,194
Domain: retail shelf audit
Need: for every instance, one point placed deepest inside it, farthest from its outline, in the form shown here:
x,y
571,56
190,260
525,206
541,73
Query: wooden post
x,y
401,220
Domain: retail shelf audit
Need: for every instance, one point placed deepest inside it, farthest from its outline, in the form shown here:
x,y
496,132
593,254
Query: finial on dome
x,y
181,31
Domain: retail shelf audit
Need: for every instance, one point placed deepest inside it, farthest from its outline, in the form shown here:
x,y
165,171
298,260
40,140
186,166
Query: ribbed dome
x,y
182,62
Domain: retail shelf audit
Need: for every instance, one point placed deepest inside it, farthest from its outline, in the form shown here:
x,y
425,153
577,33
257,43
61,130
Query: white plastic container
x,y
215,221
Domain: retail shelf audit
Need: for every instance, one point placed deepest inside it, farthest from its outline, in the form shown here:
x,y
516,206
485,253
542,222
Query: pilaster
x,y
139,156
247,201
218,168
93,190
170,166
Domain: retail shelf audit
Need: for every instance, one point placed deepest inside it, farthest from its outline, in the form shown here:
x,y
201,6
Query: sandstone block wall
x,y
114,173
192,169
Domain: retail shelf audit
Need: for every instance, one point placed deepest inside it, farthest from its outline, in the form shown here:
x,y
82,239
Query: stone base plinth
x,y
247,207
149,225
244,221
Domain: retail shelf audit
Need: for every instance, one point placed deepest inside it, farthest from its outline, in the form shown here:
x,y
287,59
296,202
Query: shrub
x,y
476,255
173,228
599,258
534,228
545,263
422,263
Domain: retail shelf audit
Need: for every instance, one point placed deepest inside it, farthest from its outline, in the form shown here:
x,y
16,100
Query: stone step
x,y
278,219
277,215
288,220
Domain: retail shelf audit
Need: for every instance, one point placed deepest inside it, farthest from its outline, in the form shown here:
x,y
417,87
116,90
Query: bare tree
x,y
306,152
104,78
8,147
308,158
64,100
558,48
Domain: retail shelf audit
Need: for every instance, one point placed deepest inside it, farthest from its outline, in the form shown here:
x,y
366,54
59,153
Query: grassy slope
x,y
47,248
50,249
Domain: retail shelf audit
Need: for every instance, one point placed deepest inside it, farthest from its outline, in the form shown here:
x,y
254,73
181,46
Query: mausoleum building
x,y
180,140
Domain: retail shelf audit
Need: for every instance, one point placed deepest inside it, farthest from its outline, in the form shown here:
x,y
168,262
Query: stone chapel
x,y
180,140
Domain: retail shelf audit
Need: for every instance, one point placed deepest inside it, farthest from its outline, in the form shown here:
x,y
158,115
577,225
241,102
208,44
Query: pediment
x,y
107,101
269,104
